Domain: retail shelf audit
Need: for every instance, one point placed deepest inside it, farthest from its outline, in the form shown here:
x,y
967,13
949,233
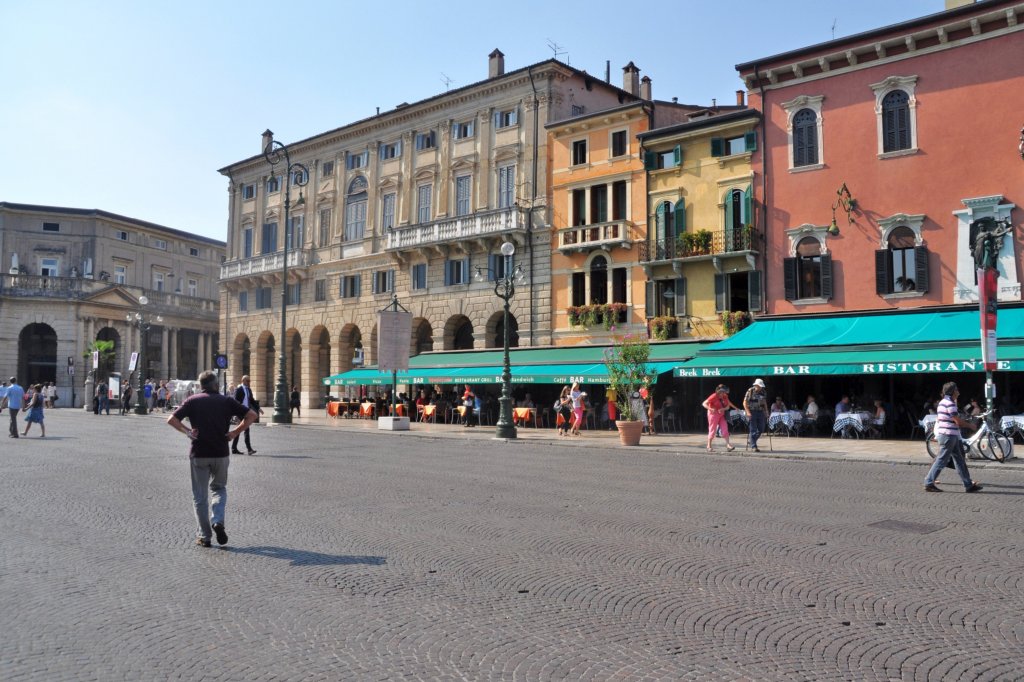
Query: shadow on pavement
x,y
301,557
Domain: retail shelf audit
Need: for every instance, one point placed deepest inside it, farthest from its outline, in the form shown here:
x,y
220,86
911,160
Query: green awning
x,y
550,365
900,343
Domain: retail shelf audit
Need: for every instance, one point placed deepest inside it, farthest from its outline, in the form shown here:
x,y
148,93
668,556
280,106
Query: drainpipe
x,y
764,194
533,198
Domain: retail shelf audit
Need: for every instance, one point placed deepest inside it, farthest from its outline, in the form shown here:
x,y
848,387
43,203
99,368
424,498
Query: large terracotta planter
x,y
629,431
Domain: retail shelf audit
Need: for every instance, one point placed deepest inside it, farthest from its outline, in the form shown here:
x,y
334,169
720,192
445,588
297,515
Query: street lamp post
x,y
505,289
276,153
142,322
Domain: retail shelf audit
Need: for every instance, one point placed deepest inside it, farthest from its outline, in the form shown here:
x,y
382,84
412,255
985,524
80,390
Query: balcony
x,y
701,245
79,288
459,229
259,265
589,237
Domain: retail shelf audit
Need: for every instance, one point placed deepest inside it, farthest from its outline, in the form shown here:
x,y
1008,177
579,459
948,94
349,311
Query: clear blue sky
x,y
131,107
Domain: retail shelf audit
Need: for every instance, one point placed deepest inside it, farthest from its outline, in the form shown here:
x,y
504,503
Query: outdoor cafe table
x,y
428,413
523,415
788,418
1010,421
366,410
850,421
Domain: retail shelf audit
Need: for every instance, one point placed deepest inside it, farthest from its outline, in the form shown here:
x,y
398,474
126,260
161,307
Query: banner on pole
x,y
988,283
394,329
95,359
134,361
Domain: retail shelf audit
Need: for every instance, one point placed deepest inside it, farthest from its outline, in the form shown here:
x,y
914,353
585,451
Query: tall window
x,y
388,212
619,193
247,242
599,204
354,161
383,281
619,143
193,288
296,232
504,119
355,209
274,184
808,260
896,121
579,207
904,267
419,276
664,231
248,191
324,231
426,140
599,280
423,197
506,186
579,152
120,274
158,281
49,267
320,290
243,301
327,169
269,241
462,186
805,138
293,293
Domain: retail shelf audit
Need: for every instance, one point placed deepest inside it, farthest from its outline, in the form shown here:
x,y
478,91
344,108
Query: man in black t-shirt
x,y
209,415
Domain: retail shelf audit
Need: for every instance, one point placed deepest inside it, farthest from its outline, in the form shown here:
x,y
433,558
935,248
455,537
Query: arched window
x,y
902,266
805,138
808,254
355,209
599,280
664,231
896,121
901,251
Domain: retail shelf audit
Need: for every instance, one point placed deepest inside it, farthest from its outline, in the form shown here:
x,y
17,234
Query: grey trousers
x,y
209,492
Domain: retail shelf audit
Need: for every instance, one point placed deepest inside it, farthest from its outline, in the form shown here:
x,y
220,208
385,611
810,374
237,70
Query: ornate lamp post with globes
x,y
142,322
505,289
276,153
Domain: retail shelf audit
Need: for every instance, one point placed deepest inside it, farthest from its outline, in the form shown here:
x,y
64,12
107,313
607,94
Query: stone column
x,y
163,354
483,179
174,354
203,353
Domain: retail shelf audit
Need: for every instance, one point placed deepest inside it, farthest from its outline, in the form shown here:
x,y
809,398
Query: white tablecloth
x,y
1011,420
851,419
789,418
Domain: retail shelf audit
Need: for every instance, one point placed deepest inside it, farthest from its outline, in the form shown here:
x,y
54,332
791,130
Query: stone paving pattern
x,y
358,554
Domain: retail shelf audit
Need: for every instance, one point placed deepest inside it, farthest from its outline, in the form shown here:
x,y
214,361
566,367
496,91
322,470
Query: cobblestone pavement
x,y
371,555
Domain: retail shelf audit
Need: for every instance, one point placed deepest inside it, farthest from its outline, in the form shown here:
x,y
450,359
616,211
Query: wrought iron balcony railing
x,y
700,243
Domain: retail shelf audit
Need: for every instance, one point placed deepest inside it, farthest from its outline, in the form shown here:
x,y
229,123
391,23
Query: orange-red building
x,y
904,135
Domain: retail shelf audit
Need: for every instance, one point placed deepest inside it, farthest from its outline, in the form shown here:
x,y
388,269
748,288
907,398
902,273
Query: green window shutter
x,y
677,155
728,214
789,278
680,299
748,205
826,276
659,224
649,303
883,272
721,289
680,216
650,161
717,146
750,141
755,298
921,269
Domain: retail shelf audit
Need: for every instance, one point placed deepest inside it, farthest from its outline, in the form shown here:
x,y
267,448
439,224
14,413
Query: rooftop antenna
x,y
446,80
834,22
556,50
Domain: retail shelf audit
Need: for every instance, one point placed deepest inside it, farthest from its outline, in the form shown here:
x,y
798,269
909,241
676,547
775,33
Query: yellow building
x,y
701,255
599,217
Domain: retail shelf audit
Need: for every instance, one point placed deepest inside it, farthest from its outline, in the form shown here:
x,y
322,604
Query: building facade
x,y
407,203
72,276
880,150
701,258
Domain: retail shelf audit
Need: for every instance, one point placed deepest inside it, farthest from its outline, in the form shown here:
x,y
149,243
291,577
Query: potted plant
x,y
734,322
662,327
702,242
628,372
588,315
574,315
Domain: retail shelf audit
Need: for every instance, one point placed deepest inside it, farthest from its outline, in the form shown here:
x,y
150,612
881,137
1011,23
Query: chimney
x,y
741,100
631,79
645,88
495,64
268,137
608,71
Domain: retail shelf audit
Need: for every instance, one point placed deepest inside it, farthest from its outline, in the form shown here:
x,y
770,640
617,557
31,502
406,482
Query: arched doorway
x,y
294,350
422,336
458,333
350,346
241,360
113,361
263,383
320,365
37,354
496,331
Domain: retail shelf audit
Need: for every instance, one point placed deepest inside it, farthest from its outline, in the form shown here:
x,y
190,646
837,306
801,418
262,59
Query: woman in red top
x,y
717,404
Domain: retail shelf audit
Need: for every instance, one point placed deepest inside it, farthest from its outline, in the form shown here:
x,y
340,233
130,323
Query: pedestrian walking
x,y
209,416
563,411
718,404
34,407
294,402
468,404
14,399
126,398
103,393
947,432
577,397
756,406
243,395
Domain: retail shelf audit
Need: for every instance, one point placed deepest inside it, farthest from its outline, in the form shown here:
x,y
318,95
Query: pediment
x,y
113,295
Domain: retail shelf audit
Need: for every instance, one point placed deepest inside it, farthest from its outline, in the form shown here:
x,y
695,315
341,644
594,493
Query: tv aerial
x,y
557,50
446,80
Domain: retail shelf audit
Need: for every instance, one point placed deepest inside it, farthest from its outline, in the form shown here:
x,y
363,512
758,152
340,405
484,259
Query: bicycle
x,y
987,443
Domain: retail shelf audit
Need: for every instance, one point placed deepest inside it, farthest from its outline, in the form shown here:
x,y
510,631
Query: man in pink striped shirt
x,y
947,433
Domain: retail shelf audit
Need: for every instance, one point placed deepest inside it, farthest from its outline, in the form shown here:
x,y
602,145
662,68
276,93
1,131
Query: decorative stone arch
x,y
794,107
264,373
293,358
37,354
318,365
241,358
111,334
887,225
495,330
371,351
422,340
350,340
458,333
797,234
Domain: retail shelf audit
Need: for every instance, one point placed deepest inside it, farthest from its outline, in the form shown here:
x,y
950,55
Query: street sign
x,y
393,331
220,361
133,362
71,370
71,361
95,359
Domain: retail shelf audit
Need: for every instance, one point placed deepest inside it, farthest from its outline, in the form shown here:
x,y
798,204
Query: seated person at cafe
x,y
779,405
843,406
811,408
526,402
975,410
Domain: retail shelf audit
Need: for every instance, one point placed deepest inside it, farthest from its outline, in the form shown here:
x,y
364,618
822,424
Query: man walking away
x,y
103,393
756,406
243,395
209,415
15,397
947,432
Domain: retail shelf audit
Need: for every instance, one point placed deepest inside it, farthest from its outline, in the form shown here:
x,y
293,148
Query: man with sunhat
x,y
755,404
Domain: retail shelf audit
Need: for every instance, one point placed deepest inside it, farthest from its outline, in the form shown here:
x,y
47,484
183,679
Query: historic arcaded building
x,y
71,276
409,202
